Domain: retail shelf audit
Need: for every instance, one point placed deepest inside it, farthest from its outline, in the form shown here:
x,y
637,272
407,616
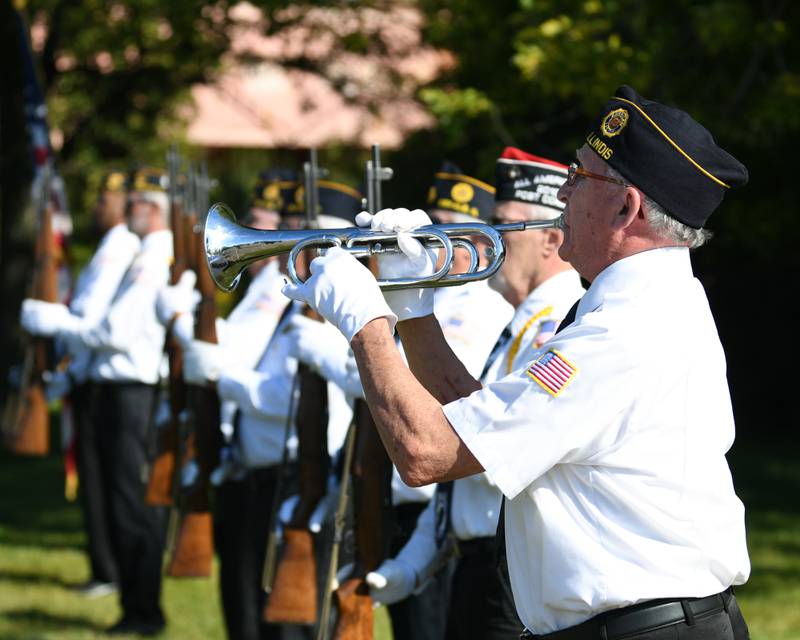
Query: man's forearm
x,y
433,362
419,439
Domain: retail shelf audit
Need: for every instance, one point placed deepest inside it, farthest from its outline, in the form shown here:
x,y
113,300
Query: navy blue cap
x,y
454,191
667,154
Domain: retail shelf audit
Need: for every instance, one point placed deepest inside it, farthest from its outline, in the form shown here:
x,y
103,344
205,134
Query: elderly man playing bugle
x,y
609,445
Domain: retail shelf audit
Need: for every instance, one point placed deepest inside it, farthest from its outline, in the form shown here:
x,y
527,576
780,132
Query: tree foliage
x,y
536,72
114,73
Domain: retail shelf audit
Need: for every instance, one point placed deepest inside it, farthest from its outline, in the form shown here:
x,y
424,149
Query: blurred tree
x,y
115,73
535,72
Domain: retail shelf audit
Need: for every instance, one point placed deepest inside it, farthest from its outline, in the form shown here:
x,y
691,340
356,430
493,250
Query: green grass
x,y
41,555
41,558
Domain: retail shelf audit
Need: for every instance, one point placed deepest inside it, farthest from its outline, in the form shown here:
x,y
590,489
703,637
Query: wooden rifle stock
x,y
26,412
194,548
371,473
294,595
293,598
161,485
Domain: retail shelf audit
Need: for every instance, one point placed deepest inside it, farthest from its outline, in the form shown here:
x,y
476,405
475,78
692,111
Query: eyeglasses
x,y
574,170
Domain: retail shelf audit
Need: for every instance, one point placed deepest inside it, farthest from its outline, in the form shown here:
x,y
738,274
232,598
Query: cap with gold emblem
x,y
339,204
667,154
527,178
148,179
274,190
453,191
114,181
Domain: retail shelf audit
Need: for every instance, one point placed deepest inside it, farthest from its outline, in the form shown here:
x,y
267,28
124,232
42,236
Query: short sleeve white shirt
x,y
476,499
248,328
610,448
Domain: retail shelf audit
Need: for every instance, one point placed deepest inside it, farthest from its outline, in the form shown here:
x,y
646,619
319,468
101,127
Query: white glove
x,y
412,261
343,291
57,386
286,510
203,362
46,318
393,581
180,298
183,329
316,344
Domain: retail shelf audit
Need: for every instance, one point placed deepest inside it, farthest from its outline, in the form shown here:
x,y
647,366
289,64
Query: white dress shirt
x,y
263,396
610,449
246,331
129,343
95,289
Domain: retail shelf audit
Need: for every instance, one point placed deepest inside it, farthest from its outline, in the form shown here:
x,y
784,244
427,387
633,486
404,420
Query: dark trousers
x,y
242,510
480,607
422,616
727,624
92,490
123,415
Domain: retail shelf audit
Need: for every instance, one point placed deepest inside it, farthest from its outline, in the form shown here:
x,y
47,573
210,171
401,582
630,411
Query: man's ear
x,y
631,208
551,240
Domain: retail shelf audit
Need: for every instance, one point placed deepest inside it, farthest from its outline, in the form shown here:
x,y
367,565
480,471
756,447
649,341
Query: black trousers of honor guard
x,y
242,510
421,616
92,491
124,413
481,606
241,528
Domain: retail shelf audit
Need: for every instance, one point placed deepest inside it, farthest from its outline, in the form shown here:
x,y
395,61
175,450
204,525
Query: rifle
x,y
26,416
371,474
194,549
162,471
293,598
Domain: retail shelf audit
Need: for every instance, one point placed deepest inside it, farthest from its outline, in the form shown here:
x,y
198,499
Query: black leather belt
x,y
478,547
641,618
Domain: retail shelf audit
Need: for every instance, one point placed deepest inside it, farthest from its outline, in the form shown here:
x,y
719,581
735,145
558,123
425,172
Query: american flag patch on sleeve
x,y
552,372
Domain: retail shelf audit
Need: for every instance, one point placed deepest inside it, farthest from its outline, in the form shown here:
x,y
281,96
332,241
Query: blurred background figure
x,y
94,292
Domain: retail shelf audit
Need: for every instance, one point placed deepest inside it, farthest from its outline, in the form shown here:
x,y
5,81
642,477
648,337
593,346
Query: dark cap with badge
x,y
274,190
145,178
458,193
114,180
667,154
338,204
524,177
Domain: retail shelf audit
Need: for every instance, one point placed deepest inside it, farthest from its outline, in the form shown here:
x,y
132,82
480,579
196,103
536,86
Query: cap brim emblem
x,y
614,122
462,192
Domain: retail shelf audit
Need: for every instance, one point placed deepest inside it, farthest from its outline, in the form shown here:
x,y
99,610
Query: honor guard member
x,y
128,350
262,394
243,335
471,317
542,288
91,299
621,520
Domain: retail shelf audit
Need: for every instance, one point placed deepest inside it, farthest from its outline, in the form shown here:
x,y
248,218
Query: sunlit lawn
x,y
41,557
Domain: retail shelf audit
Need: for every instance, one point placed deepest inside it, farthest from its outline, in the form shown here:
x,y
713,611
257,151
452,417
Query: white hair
x,y
665,225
